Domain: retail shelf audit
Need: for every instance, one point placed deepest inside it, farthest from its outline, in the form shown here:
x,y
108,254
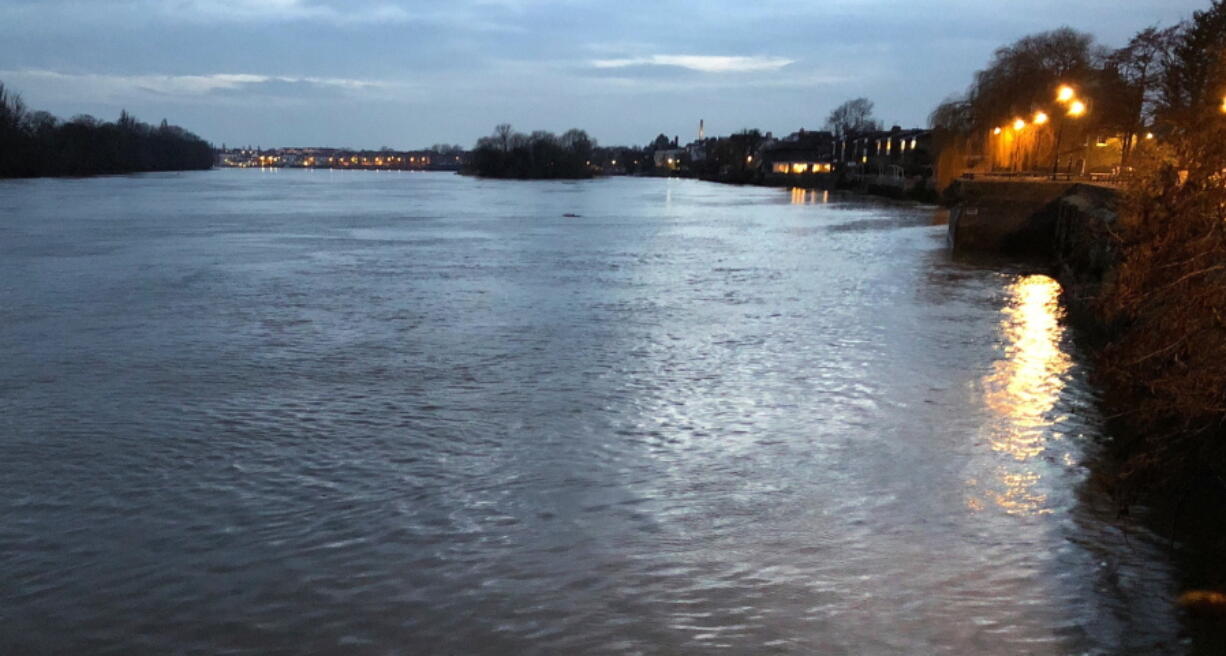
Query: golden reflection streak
x,y
802,196
1024,386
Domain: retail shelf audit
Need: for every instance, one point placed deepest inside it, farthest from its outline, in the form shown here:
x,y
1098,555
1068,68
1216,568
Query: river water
x,y
392,413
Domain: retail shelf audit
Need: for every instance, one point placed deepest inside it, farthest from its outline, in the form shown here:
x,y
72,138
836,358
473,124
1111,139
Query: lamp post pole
x,y
1055,158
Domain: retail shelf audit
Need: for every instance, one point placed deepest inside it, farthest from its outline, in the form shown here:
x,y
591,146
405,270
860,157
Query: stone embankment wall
x,y
1016,218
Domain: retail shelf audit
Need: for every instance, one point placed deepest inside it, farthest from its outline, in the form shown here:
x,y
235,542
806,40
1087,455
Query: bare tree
x,y
852,117
503,132
1131,80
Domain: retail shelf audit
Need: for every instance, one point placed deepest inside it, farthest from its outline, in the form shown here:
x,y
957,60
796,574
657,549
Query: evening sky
x,y
371,73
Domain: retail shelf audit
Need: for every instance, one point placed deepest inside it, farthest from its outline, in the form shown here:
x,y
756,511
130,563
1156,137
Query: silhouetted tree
x,y
852,117
510,154
1130,83
35,144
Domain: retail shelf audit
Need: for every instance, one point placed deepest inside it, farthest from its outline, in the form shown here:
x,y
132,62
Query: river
x,y
258,412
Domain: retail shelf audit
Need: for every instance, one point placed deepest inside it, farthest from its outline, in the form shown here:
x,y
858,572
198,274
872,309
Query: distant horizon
x,y
381,73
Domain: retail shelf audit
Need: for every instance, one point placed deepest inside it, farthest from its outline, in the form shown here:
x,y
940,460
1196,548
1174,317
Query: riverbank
x,y
1154,362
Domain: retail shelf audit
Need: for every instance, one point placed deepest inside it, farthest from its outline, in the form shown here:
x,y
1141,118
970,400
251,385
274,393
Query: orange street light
x,y
1075,109
1019,124
1149,135
996,131
1040,118
1065,93
1223,107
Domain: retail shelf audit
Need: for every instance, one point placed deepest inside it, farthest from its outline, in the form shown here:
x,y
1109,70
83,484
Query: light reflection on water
x,y
1023,388
802,196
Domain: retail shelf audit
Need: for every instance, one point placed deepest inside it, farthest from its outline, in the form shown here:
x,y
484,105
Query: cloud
x,y
124,87
281,10
701,63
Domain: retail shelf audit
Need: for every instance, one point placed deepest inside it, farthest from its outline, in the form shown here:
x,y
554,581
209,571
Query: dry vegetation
x,y
1165,366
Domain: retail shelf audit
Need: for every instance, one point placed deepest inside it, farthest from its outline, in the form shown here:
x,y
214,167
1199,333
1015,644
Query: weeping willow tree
x,y
1019,83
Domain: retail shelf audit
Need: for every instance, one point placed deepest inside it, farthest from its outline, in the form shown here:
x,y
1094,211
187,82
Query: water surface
x,y
374,413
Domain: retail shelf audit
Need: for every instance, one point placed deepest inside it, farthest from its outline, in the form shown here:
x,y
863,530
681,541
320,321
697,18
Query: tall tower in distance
x,y
701,131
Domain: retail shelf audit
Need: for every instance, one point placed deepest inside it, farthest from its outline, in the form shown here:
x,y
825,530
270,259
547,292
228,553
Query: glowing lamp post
x,y
1076,109
1018,125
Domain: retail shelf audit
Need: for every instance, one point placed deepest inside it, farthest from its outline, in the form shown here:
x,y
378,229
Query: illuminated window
x,y
780,167
799,167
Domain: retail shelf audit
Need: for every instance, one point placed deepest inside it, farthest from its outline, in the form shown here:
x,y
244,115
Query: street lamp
x,y
1076,108
1040,118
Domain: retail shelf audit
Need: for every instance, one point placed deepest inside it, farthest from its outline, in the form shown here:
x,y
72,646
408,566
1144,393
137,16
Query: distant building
x,y
801,158
895,159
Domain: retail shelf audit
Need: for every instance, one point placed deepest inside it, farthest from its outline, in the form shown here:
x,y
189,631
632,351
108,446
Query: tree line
x,y
539,155
36,143
1121,90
